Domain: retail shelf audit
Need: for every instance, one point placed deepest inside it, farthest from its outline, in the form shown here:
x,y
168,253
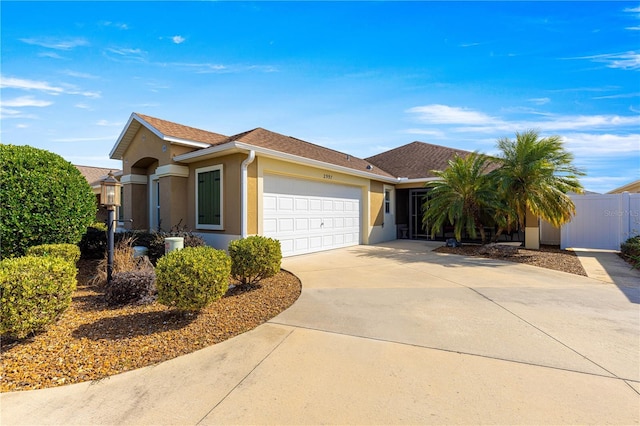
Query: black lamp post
x,y
110,198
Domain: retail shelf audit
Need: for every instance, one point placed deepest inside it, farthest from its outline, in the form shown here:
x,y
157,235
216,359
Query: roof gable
x,y
165,130
416,160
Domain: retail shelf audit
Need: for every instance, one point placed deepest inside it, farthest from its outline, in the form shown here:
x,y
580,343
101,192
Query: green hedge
x,y
70,252
631,250
191,278
254,258
43,199
34,292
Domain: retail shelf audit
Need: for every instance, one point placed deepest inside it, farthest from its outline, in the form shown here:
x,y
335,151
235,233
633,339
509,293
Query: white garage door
x,y
308,216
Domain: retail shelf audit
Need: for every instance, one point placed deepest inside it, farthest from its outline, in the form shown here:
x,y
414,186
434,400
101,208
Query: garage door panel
x,y
308,216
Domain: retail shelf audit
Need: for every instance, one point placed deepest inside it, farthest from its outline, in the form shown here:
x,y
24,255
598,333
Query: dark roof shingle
x,y
180,131
416,160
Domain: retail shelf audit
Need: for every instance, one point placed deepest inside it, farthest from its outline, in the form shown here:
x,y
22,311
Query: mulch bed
x,y
550,257
92,340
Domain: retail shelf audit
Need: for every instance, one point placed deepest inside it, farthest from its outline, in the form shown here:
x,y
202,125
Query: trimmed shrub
x,y
254,258
70,252
34,292
630,249
43,198
131,286
191,278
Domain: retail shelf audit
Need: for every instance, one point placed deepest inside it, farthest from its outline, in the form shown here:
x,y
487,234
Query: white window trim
x,y
207,226
392,200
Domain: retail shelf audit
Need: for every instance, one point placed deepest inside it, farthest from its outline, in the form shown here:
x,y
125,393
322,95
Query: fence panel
x,y
602,221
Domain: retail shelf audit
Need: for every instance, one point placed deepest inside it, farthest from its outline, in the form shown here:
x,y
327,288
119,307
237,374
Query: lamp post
x,y
110,198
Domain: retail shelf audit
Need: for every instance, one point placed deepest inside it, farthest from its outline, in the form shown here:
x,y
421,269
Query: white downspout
x,y
244,191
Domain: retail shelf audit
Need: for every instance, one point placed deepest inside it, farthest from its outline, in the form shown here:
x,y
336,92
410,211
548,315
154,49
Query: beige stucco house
x,y
309,197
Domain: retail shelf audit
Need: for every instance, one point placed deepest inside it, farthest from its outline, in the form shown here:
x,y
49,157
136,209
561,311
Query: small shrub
x,y
254,258
191,278
630,249
100,226
131,286
34,292
70,252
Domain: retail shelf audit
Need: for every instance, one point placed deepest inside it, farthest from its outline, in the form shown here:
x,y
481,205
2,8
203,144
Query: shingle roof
x,y
94,175
286,144
180,131
416,159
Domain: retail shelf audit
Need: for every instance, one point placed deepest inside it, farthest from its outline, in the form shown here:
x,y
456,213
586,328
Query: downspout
x,y
244,191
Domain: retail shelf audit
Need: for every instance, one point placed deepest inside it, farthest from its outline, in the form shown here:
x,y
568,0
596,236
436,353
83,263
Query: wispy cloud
x,y
76,74
624,60
439,134
177,39
106,123
44,86
598,145
540,101
25,101
618,96
127,54
87,139
19,83
632,9
443,114
56,43
83,106
118,25
469,44
49,54
14,113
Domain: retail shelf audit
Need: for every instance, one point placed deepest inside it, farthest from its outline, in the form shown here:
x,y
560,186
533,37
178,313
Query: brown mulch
x,y
550,257
92,340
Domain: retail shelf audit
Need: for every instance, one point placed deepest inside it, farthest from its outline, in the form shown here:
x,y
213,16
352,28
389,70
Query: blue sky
x,y
360,77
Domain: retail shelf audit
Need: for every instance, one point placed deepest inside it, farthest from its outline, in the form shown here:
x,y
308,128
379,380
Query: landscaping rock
x,y
498,250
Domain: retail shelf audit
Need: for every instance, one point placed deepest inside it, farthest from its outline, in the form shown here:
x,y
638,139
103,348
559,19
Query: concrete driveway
x,y
392,334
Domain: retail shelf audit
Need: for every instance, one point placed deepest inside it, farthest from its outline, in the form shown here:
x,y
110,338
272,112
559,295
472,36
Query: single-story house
x,y
309,197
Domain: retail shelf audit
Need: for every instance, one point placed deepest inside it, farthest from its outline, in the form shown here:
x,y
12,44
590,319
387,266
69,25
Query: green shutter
x,y
209,198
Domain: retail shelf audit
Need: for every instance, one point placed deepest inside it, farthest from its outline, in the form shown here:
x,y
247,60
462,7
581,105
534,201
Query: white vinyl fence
x,y
602,221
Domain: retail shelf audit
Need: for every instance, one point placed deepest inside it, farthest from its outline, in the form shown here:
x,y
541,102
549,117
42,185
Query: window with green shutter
x,y
209,198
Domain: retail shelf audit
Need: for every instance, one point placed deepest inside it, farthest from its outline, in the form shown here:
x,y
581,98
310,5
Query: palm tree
x,y
536,174
465,197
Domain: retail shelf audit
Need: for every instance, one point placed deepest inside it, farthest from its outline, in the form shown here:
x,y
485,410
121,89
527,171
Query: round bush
x,y
191,278
130,286
70,252
43,198
34,291
254,258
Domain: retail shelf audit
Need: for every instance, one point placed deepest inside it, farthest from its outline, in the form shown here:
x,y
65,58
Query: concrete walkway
x,y
392,334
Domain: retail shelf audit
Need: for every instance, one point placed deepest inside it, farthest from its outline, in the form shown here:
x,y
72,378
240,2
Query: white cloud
x,y
22,126
632,9
540,101
25,101
118,25
597,145
618,96
56,43
88,139
633,28
426,132
625,60
127,53
83,106
443,114
177,39
76,74
108,123
53,55
14,113
19,83
467,121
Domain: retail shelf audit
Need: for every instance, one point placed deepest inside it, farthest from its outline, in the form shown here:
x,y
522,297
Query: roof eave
x,y
219,150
